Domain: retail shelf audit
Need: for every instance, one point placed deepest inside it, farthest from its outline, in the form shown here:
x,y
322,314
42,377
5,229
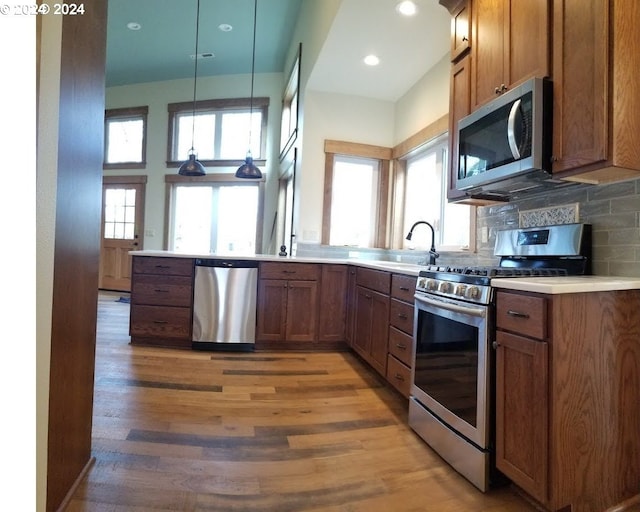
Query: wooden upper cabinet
x,y
596,90
510,44
460,30
459,107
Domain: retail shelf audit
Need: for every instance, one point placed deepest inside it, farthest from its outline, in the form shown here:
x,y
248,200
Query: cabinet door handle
x,y
495,345
404,288
158,290
465,39
163,266
401,346
517,314
367,296
160,322
288,271
403,316
399,377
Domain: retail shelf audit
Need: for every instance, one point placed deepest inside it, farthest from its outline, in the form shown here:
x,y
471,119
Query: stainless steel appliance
x,y
505,146
224,304
452,389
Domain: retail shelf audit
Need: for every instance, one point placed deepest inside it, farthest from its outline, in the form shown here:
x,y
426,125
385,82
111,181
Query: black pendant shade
x,y
192,167
248,169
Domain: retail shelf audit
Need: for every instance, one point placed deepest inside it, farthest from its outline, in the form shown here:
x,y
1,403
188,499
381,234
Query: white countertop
x,y
390,266
567,284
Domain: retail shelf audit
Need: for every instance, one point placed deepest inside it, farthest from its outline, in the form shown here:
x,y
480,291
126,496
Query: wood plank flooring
x,y
176,430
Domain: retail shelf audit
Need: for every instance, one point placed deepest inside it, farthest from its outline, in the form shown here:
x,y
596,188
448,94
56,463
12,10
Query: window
x,y
425,198
119,213
289,120
356,190
220,132
215,214
125,135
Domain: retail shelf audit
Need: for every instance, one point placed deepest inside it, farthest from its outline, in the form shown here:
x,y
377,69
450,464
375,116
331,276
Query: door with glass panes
x,y
122,228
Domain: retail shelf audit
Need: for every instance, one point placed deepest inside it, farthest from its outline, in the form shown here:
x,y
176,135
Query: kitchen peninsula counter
x,y
390,266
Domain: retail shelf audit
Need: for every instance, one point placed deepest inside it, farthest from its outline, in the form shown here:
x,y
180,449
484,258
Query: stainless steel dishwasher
x,y
224,304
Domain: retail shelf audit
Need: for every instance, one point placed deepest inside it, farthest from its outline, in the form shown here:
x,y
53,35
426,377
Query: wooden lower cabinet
x,y
522,404
371,326
288,310
161,301
332,312
568,397
400,346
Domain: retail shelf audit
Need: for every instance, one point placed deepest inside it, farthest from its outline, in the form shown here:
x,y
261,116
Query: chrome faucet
x,y
433,255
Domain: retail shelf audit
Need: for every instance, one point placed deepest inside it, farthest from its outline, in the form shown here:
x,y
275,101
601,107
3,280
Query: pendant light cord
x,y
195,81
253,63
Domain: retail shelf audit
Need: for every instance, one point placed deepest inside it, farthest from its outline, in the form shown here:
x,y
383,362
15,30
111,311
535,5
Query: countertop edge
x,y
573,284
389,266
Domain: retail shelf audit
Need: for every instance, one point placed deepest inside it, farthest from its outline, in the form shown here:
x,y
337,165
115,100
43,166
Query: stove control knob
x,y
446,287
422,283
432,285
460,290
473,292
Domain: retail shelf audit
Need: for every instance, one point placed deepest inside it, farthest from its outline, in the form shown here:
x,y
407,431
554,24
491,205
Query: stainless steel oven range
x,y
452,389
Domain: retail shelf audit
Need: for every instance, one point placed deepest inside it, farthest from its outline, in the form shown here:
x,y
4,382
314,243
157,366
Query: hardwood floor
x,y
176,430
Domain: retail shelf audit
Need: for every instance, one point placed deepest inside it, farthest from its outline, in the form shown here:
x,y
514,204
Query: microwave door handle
x,y
511,132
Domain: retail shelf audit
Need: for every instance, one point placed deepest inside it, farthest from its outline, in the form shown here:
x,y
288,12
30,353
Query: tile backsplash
x,y
612,210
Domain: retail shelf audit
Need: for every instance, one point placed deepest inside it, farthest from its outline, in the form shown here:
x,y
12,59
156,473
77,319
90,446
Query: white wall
x,y
357,119
157,96
425,102
46,187
339,117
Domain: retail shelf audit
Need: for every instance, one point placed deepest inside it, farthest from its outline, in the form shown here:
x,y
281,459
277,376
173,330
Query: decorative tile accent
x,y
566,214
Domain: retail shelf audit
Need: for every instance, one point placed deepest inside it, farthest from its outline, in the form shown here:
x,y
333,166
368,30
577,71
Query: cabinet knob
x,y
503,88
465,39
497,90
495,345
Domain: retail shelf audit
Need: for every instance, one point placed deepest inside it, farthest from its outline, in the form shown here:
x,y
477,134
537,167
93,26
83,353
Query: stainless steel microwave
x,y
505,146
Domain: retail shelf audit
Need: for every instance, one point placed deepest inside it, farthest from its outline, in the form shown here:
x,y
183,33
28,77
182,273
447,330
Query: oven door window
x,y
446,366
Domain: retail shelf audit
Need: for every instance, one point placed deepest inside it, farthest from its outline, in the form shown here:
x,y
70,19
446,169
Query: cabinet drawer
x,y
160,322
162,290
377,280
399,375
523,314
403,287
298,271
401,316
400,345
163,266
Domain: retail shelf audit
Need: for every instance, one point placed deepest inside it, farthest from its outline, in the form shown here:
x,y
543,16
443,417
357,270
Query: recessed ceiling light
x,y
225,27
134,25
407,8
371,60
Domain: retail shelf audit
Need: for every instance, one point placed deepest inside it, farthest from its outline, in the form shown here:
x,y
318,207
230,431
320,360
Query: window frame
x,y
333,148
217,106
126,113
172,180
407,149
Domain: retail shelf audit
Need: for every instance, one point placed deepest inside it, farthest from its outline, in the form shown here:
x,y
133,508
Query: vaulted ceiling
x,y
162,47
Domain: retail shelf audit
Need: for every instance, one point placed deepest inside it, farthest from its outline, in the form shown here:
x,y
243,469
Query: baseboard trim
x,y
67,499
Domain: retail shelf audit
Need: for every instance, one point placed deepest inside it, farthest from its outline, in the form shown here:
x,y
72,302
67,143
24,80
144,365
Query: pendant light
x,y
192,167
248,169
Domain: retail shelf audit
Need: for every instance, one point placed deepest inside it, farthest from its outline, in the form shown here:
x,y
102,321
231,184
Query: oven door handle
x,y
439,303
